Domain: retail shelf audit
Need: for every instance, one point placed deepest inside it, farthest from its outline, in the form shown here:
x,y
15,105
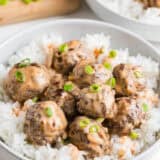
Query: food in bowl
x,y
80,99
146,11
151,3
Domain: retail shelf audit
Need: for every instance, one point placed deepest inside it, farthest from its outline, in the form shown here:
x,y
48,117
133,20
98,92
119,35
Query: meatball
x,y
68,104
68,99
87,72
97,101
25,82
129,79
68,55
151,3
72,88
64,94
44,123
130,115
89,135
55,88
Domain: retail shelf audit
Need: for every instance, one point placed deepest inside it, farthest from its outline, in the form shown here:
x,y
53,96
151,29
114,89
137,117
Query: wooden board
x,y
16,10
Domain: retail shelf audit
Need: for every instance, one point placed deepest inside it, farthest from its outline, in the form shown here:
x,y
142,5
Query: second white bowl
x,y
147,31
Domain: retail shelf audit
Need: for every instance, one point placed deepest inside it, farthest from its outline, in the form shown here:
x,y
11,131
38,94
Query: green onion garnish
x,y
111,82
20,77
66,141
3,2
24,63
35,99
89,69
27,1
94,129
95,88
63,48
100,120
84,123
107,66
48,112
112,54
68,87
145,107
138,74
133,135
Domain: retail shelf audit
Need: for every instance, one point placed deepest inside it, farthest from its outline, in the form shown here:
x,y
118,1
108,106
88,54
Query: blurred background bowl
x,y
147,31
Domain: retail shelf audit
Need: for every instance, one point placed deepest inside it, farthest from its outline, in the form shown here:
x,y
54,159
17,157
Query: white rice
x,y
11,130
134,10
36,49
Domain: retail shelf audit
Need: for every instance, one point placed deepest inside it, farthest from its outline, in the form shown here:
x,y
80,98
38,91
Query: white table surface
x,y
9,30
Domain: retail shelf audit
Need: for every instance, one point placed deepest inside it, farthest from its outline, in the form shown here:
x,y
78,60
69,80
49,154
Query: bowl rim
x,y
61,22
132,20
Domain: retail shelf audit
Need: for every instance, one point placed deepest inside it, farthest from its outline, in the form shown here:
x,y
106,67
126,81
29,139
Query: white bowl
x,y
148,31
74,29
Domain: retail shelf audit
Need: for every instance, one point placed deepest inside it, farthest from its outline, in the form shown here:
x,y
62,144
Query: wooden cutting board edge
x,y
16,11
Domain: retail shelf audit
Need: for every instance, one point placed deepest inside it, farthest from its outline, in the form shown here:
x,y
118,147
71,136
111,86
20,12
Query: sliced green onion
x,y
100,120
63,48
107,65
35,99
68,87
133,135
102,50
112,54
138,74
66,141
94,129
95,88
84,123
89,69
145,107
20,77
27,1
3,2
48,112
24,63
111,82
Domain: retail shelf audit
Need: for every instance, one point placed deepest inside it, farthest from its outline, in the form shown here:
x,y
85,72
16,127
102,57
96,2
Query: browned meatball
x,y
68,104
128,79
44,123
150,3
68,55
97,101
25,82
89,135
55,88
87,72
72,88
66,99
130,115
